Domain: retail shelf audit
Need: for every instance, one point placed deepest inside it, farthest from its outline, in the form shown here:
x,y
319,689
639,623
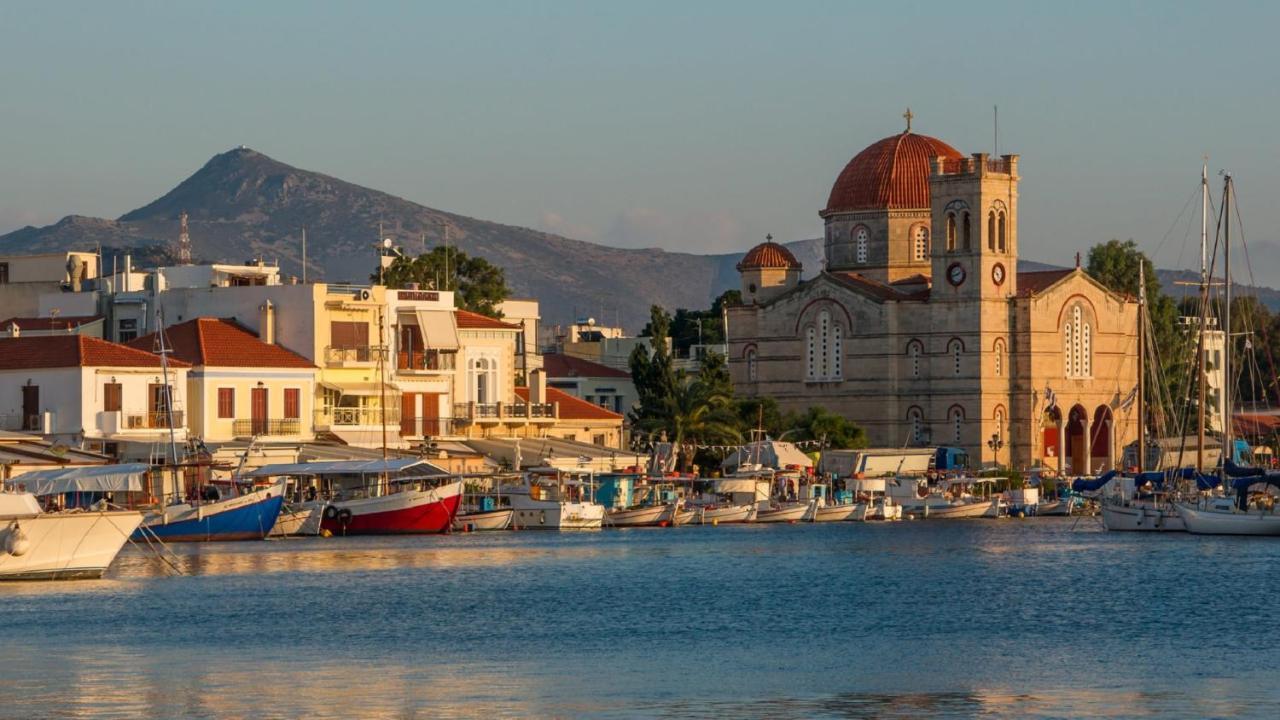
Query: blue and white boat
x,y
249,516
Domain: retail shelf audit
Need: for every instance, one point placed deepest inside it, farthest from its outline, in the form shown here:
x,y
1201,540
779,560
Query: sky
x,y
699,126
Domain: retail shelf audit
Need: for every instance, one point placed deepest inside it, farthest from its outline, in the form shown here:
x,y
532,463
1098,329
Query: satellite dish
x,y
386,243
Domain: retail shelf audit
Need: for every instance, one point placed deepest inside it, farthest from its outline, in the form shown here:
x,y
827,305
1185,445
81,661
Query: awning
x,y
360,389
421,386
347,467
439,329
94,478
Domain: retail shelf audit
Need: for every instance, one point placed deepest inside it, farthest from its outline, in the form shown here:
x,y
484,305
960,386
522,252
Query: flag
x,y
1050,399
1129,399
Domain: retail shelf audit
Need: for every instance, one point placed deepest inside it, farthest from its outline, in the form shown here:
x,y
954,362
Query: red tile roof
x,y
769,255
57,351
562,366
1030,283
892,173
572,408
468,320
877,289
215,342
44,323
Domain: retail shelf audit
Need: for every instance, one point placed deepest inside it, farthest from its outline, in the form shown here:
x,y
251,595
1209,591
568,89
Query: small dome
x,y
768,254
890,174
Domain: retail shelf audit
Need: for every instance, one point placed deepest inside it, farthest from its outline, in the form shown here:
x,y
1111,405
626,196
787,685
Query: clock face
x,y
955,274
997,274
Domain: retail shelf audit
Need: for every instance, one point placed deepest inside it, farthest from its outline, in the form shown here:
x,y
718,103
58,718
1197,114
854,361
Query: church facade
x,y
921,330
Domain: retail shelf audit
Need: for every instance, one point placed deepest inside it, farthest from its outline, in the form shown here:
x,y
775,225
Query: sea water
x,y
1008,618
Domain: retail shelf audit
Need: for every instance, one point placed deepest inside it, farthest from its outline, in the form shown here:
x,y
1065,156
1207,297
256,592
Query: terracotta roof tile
x,y
215,342
1030,283
892,173
468,320
55,351
572,408
877,289
44,323
561,366
769,255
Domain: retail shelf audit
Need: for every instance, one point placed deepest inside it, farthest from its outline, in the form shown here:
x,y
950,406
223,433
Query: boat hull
x,y
840,513
484,521
987,508
730,514
1201,521
410,512
684,516
66,545
640,517
1141,518
1055,508
246,517
301,519
791,513
551,515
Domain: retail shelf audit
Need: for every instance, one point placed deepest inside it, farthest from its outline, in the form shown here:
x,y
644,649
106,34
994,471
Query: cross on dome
x,y
908,115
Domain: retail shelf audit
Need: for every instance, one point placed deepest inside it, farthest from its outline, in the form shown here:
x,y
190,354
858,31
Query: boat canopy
x,y
1236,471
345,467
92,478
1093,484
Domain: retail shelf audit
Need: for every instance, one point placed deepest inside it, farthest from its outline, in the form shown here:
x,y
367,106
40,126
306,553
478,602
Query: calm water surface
x,y
1040,618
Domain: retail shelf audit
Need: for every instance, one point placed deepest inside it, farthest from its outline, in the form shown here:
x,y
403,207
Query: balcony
x,y
336,416
357,356
425,361
153,420
250,427
504,412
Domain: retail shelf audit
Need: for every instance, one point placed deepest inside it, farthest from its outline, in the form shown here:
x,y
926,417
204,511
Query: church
x,y
921,329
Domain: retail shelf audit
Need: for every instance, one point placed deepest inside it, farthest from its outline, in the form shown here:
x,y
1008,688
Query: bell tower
x,y
975,222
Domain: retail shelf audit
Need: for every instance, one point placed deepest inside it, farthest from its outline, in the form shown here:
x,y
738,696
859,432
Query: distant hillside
x,y
243,204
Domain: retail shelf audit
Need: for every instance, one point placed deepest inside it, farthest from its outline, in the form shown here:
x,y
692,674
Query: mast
x,y
163,352
382,392
1227,450
1142,360
1204,314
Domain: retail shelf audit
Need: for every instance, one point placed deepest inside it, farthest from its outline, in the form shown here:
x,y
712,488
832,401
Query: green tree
x,y
478,285
833,431
692,327
697,412
652,370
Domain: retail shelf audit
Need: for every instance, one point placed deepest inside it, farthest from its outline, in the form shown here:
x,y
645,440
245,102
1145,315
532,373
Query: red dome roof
x,y
769,255
892,173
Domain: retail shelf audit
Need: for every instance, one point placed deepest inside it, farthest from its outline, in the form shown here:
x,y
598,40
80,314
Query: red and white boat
x,y
397,496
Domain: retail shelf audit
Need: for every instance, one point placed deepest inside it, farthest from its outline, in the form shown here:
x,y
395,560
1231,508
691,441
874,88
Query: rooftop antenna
x,y
184,240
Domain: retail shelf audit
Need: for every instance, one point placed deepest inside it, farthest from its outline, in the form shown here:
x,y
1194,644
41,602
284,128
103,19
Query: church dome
x,y
768,254
890,174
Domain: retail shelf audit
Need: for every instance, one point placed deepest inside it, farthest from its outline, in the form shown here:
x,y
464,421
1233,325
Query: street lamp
x,y
996,443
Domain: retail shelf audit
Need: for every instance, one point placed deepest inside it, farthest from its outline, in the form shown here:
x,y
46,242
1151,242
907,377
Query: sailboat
x,y
245,515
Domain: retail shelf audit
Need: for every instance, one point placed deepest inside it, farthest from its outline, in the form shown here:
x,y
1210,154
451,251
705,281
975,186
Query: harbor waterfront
x,y
995,618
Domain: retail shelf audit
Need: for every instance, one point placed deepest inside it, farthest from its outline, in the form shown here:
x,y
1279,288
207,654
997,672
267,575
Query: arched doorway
x,y
1100,455
1051,439
1076,452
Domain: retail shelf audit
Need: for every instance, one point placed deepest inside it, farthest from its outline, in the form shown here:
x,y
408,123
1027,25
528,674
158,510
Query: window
x,y
751,365
999,420
292,403
126,330
837,350
824,333
991,230
968,244
957,422
956,350
484,380
347,334
999,358
4,273
1077,345
920,243
824,348
861,238
589,398
1001,235
112,397
914,351
951,231
811,353
915,417
226,402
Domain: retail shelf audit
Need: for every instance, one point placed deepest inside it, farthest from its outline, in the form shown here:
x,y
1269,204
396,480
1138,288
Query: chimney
x,y
537,386
128,268
267,322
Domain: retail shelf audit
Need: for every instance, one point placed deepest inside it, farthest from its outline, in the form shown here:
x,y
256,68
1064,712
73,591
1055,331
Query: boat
x,y
247,516
484,520
950,499
840,513
1251,512
65,545
724,514
644,516
783,512
554,500
483,507
1056,508
299,519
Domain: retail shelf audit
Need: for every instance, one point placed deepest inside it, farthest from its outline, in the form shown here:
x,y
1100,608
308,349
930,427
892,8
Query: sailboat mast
x,y
1142,359
382,399
1204,314
1227,450
163,352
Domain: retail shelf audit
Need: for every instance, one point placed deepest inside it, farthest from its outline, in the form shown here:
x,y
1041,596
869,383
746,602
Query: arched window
x,y
998,416
920,243
968,239
998,357
751,364
1000,219
837,349
811,353
861,237
915,418
914,351
951,231
955,349
824,344
824,349
991,230
957,422
483,385
1077,344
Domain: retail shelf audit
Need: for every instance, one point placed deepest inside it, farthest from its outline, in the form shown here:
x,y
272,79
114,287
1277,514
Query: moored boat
x,y
839,513
554,500
783,513
246,516
484,520
646,516
722,514
65,545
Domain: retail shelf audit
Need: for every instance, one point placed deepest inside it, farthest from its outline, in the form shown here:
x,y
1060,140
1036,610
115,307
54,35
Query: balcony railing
x,y
334,355
351,416
156,419
472,412
278,426
426,361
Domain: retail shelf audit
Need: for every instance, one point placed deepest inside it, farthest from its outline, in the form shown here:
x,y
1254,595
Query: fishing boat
x,y
726,514
778,512
685,515
950,499
247,516
644,516
299,519
483,507
64,545
555,500
840,513
484,520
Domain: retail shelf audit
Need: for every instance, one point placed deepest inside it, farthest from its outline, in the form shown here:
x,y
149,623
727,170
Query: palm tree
x,y
697,412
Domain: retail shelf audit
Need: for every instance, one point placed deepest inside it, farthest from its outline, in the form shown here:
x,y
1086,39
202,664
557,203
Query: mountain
x,y
243,204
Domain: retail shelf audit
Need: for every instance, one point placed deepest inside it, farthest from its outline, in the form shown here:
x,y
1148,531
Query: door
x,y
431,414
30,407
258,411
408,414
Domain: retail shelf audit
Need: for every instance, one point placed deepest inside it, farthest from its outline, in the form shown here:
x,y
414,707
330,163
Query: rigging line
x,y
1176,220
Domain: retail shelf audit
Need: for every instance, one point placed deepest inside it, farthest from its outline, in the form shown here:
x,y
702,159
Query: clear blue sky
x,y
686,125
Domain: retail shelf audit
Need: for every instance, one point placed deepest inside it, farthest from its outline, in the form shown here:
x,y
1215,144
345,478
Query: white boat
x,y
786,513
555,501
647,516
961,509
1140,516
481,520
299,519
1056,507
726,514
1221,516
685,516
839,513
71,544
